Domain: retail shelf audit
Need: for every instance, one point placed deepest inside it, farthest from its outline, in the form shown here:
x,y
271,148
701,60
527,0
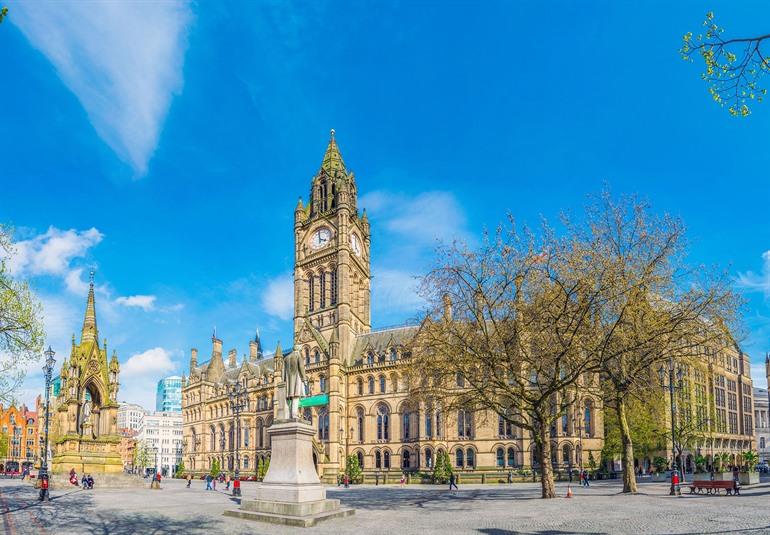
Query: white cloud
x,y
395,290
140,374
757,282
424,219
758,378
153,363
278,299
52,253
145,302
123,60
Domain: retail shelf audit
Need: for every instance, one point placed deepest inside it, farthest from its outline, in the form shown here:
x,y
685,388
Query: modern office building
x,y
169,395
130,417
161,436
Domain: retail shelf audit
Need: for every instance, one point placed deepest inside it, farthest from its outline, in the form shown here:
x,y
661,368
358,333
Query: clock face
x,y
355,244
321,238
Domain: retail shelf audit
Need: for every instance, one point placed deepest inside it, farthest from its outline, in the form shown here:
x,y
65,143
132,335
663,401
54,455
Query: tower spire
x,y
89,332
332,157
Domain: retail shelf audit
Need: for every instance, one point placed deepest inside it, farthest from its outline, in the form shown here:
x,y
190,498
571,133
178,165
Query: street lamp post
x,y
237,395
48,370
671,386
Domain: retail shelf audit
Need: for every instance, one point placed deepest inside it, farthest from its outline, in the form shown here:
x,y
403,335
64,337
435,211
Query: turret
x,y
232,358
193,359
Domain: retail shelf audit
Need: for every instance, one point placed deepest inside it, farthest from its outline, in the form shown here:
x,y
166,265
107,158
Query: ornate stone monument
x,y
85,423
291,492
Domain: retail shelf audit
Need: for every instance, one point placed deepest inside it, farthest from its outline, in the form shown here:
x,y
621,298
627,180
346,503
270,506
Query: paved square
x,y
491,510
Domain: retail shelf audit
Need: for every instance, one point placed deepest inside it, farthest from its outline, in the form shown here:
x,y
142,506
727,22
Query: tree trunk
x,y
546,469
629,476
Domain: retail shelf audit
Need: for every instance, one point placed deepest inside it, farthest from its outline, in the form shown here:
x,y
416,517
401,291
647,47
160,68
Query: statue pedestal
x,y
291,493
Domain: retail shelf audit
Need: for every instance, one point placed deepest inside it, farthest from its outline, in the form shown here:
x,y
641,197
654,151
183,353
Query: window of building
x,y
371,385
383,423
460,380
429,423
761,443
377,459
370,358
470,458
316,356
504,427
406,460
393,354
511,457
459,459
333,286
588,419
322,383
360,456
464,424
322,278
323,424
360,383
360,423
386,460
311,293
500,455
429,458
382,384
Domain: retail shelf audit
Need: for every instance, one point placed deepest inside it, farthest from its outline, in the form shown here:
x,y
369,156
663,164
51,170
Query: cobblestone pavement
x,y
490,510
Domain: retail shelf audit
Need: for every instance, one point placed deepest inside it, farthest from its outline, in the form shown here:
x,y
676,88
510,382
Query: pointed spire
x,y
89,332
300,205
278,350
332,158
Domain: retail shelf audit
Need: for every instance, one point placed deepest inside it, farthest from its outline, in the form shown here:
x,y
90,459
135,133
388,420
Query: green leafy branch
x,y
733,67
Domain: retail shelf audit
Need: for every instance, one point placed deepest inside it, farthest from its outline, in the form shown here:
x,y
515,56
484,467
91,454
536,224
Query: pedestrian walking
x,y
403,478
227,481
452,480
189,480
585,479
208,481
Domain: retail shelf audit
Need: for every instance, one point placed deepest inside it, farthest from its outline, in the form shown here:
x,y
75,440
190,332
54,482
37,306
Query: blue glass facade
x,y
168,397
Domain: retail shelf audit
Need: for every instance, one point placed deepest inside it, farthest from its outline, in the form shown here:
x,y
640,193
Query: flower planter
x,y
723,476
748,478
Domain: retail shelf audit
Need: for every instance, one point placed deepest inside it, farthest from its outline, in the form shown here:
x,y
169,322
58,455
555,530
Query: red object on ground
x,y
44,483
236,483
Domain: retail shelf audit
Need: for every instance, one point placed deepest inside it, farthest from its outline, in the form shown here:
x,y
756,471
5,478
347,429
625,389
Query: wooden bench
x,y
713,487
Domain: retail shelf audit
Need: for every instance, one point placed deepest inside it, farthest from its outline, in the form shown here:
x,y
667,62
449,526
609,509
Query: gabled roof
x,y
379,341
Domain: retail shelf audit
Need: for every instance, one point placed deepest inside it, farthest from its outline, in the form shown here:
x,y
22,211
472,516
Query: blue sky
x,y
166,146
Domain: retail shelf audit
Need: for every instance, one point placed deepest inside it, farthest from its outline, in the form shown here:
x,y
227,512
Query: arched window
x,y
322,383
308,415
371,385
246,461
500,458
459,458
323,194
311,292
323,424
564,424
193,440
246,436
761,443
370,358
438,424
470,458
307,357
213,445
460,380
587,419
322,278
511,457
360,386
407,428
377,459
260,434
429,458
406,460
393,354
360,423
382,384
383,423
429,423
464,424
360,456
386,460
316,356
333,286
566,455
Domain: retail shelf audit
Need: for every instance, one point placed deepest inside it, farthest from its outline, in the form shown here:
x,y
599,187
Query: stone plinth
x,y
291,493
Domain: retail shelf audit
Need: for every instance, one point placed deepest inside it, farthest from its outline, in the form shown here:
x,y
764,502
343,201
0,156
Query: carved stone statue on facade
x,y
85,421
294,378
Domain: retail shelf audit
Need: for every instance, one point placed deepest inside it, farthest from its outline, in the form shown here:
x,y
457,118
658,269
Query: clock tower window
x,y
323,289
333,284
311,292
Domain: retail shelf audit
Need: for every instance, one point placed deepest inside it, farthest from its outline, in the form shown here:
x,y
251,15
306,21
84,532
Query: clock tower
x,y
331,269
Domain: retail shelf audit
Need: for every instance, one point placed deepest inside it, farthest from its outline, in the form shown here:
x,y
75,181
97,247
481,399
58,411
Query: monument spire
x,y
89,332
332,158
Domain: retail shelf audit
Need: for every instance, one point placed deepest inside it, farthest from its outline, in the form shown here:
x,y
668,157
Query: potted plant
x,y
721,472
748,474
659,463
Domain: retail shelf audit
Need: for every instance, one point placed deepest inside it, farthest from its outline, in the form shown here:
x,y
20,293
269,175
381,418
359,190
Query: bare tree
x,y
658,306
733,67
509,332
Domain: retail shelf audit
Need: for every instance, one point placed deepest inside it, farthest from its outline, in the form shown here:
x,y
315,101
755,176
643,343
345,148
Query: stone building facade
x,y
762,424
357,400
